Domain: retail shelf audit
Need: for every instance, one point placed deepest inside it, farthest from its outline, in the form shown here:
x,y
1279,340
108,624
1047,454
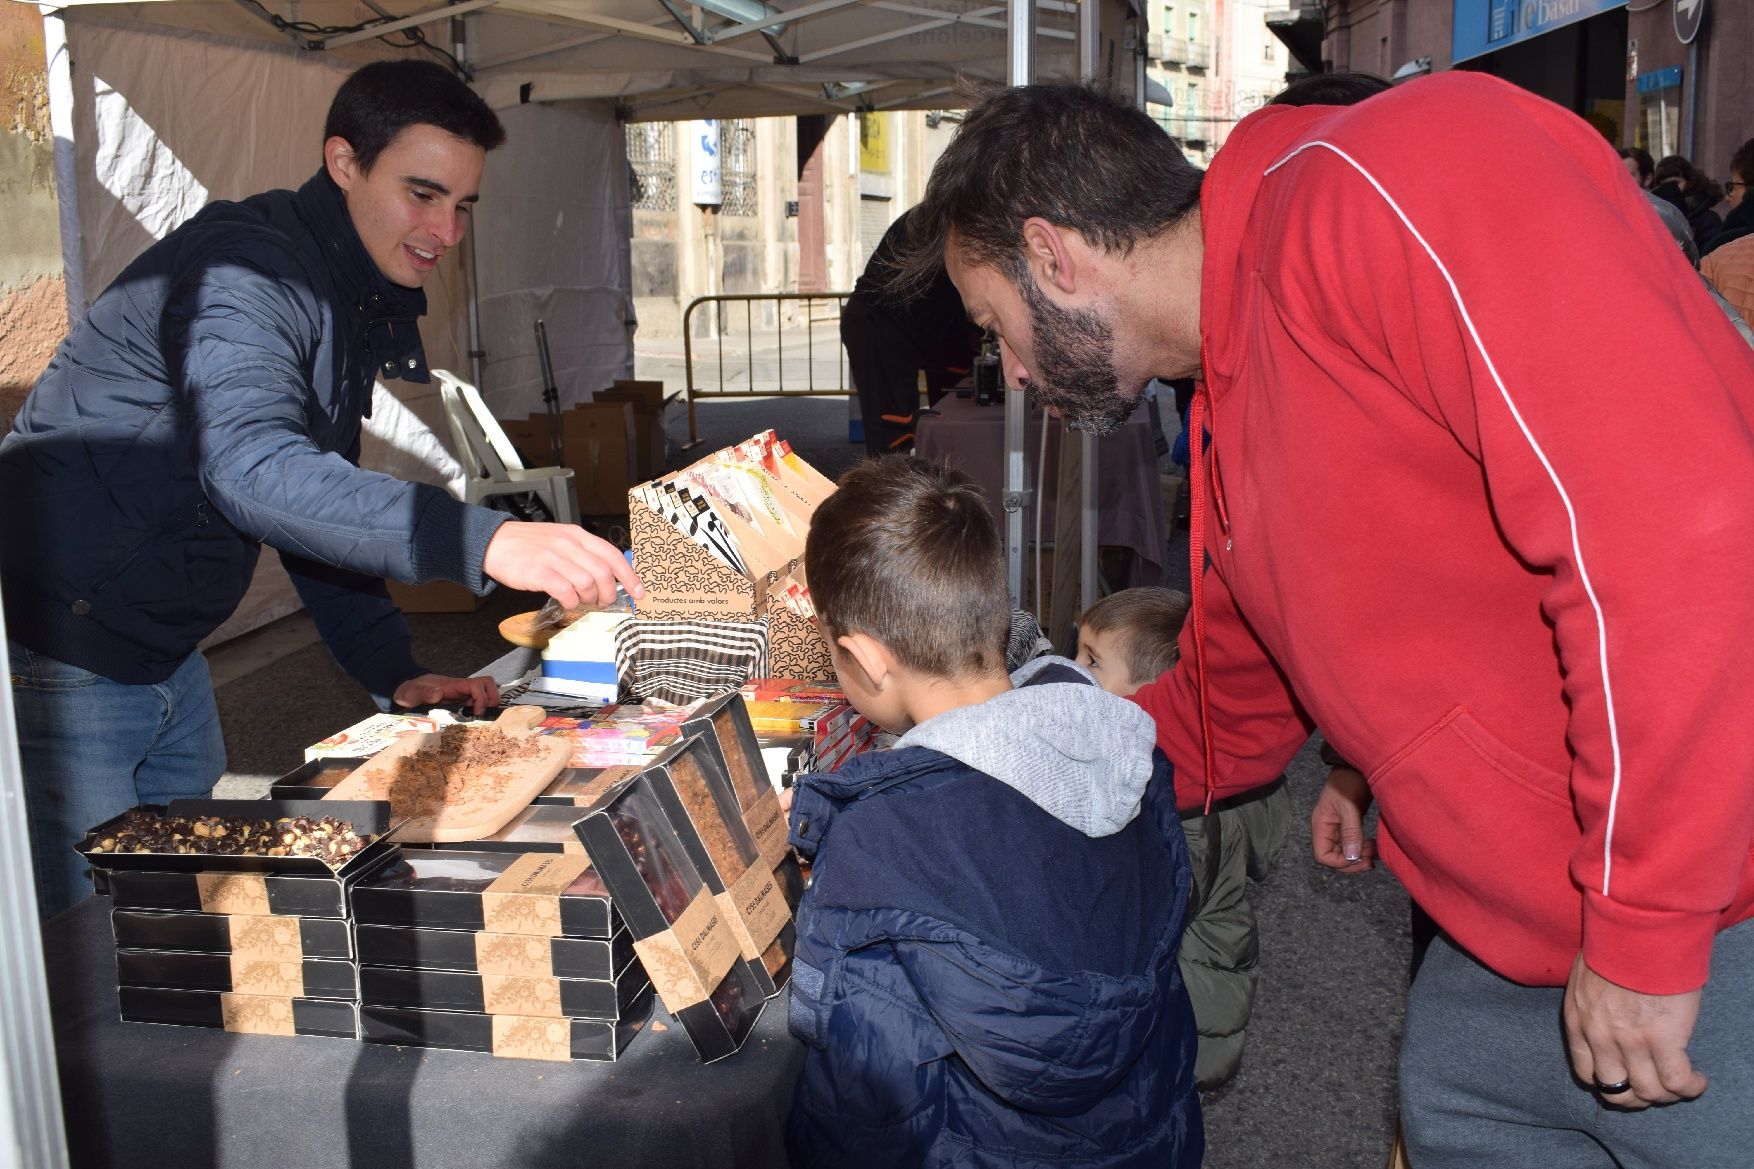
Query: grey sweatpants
x,y
1485,1082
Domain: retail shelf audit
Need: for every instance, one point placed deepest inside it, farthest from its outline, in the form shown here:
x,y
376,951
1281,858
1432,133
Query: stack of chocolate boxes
x,y
255,940
518,953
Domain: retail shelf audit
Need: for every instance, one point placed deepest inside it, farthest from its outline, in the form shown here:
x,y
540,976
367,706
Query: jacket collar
x,y
820,796
388,313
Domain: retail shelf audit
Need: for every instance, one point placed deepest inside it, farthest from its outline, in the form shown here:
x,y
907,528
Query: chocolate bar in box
x,y
484,953
695,793
505,1036
314,778
259,935
243,1014
545,894
312,978
680,932
724,721
506,994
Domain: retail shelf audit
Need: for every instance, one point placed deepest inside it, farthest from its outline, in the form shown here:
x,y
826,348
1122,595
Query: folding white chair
x,y
490,459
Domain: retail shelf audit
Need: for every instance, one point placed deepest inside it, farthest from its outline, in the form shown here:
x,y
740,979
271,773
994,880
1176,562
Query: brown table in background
x,y
1128,491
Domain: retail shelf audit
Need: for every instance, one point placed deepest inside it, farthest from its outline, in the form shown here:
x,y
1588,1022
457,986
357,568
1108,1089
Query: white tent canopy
x,y
662,60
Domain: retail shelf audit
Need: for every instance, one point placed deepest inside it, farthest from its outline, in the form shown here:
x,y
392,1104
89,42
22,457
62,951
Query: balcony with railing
x,y
1181,51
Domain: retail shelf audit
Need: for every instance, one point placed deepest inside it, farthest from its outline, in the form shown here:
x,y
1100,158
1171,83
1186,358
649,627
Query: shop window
x,y
1659,112
737,165
651,156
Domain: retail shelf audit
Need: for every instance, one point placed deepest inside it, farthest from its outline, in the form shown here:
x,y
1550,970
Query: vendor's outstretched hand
x,y
1621,1037
435,690
563,560
1337,825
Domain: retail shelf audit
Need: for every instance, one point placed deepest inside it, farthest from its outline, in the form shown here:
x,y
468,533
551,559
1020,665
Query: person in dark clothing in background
x,y
211,401
1694,192
1638,164
1740,220
890,340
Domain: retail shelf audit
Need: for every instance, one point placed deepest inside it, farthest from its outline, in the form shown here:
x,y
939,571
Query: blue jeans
x,y
1485,1081
93,748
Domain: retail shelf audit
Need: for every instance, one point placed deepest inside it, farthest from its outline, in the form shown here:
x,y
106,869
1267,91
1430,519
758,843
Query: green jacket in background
x,y
1221,949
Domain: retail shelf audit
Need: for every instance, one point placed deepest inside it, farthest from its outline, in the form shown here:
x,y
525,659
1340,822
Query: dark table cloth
x,y
144,1096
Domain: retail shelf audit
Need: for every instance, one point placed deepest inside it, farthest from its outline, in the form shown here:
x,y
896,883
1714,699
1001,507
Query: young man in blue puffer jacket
x,y
986,966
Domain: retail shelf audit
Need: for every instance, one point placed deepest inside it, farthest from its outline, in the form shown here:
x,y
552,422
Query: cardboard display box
x,y
477,952
680,932
243,1014
597,442
260,935
625,996
647,400
313,978
505,1036
549,894
437,596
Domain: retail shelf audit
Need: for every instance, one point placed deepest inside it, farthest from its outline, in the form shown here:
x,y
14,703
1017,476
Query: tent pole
x,y
60,80
460,50
1019,70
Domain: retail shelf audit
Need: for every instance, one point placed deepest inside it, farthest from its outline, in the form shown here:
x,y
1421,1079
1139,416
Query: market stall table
x,y
136,1094
1129,493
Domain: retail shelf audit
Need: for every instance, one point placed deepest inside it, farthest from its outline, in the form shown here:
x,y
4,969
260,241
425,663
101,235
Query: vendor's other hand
x,y
479,694
563,560
1336,825
1616,1036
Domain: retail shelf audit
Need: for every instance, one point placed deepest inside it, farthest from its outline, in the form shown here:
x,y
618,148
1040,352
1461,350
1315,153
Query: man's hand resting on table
x,y
563,560
1336,825
1616,1036
436,690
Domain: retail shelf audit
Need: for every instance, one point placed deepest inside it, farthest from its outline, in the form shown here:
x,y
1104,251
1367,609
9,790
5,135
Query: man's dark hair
x,y
1742,162
906,552
380,100
1693,180
1331,89
1145,624
1642,160
1068,153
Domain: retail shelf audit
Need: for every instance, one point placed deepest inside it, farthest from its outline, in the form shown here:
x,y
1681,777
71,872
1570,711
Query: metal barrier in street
x,y
768,344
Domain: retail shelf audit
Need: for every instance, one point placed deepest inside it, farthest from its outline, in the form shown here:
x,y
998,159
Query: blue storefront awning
x,y
1485,26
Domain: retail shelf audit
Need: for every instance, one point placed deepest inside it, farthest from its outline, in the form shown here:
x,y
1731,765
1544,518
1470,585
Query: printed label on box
x,y
525,899
767,823
517,1037
245,893
519,955
266,976
256,1015
688,960
510,995
756,909
278,938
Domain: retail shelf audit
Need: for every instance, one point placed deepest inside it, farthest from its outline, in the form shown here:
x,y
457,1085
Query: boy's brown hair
x,y
1146,623
907,552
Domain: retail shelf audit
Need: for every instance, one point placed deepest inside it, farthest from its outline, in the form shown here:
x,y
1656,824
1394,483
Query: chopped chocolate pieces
x,y
329,840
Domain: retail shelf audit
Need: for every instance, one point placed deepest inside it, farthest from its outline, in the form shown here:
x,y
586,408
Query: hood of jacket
x,y
1073,749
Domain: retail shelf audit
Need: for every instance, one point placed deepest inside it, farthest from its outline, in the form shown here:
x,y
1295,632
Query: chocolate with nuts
x,y
327,839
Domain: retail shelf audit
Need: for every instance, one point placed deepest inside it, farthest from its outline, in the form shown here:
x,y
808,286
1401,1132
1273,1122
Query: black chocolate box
x,y
539,828
691,786
240,1013
312,978
680,933
296,938
314,779
366,816
507,1036
498,994
228,893
484,953
580,786
491,891
725,723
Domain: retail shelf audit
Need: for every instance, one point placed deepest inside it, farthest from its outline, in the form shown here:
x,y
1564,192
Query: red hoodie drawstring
x,y
1197,562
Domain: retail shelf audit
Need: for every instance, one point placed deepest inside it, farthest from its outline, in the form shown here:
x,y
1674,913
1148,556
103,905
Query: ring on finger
x,y
1617,1088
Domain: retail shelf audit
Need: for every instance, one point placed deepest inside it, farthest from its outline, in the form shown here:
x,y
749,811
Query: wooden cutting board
x,y
454,785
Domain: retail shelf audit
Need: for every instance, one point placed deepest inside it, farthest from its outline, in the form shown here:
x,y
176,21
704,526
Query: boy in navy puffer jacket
x,y
986,966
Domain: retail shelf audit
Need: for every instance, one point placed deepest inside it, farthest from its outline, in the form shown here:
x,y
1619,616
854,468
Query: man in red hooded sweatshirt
x,y
1477,499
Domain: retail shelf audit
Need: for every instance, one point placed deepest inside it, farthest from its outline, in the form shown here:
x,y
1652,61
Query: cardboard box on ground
x,y
611,443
